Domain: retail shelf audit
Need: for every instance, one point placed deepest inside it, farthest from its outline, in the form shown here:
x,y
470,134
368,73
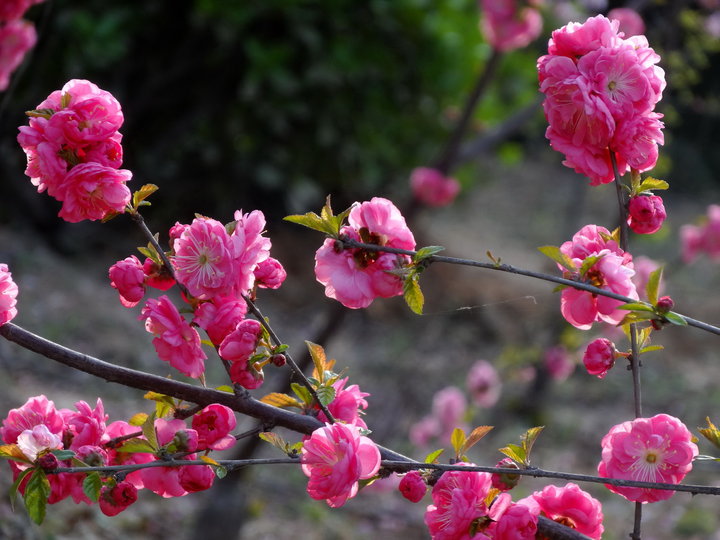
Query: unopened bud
x,y
505,481
48,462
665,304
278,359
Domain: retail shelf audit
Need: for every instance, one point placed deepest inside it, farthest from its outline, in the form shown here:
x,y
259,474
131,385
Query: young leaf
x,y
12,451
281,400
651,183
276,440
325,394
302,392
674,318
475,436
528,440
224,388
310,220
319,359
651,348
138,419
637,306
588,263
653,285
62,455
711,433
558,256
37,492
148,429
426,252
91,486
137,446
16,485
412,294
458,440
432,457
164,405
516,453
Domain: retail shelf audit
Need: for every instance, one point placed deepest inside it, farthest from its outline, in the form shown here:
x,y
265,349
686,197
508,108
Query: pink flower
x,y
422,431
220,317
13,9
599,357
204,259
117,498
507,25
432,187
246,375
8,295
483,384
505,481
17,37
448,408
213,425
176,342
157,276
702,239
165,481
570,506
36,411
128,278
92,191
85,426
239,345
270,274
412,486
355,277
335,458
646,214
38,439
251,248
657,449
518,522
347,404
631,23
458,500
558,363
194,478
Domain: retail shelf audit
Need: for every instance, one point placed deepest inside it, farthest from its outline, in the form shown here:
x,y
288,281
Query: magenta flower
x,y
36,411
558,363
599,357
270,274
348,404
176,342
93,191
483,384
505,481
702,239
220,317
433,188
630,21
128,277
509,24
600,94
646,214
114,500
458,500
165,481
518,522
251,248
85,426
412,486
335,458
17,37
194,478
8,295
657,449
239,345
213,425
355,277
570,506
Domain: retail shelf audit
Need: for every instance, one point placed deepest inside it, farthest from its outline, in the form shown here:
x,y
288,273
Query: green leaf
x,y
651,183
138,419
36,495
225,388
62,455
310,220
558,256
711,433
674,318
432,457
164,405
528,440
651,348
457,439
143,193
92,484
325,394
302,392
276,440
426,252
137,446
475,436
637,306
281,401
413,294
515,452
636,316
148,429
653,285
588,263
16,484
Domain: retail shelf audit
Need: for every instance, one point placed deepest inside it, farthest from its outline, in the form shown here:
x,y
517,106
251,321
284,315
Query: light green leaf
x,y
225,388
325,394
138,419
312,221
653,285
302,392
588,263
651,348
413,294
16,484
92,483
475,436
515,452
674,318
37,492
711,433
426,252
148,429
276,440
137,446
457,440
637,306
62,455
433,456
317,353
143,193
558,256
281,401
528,440
651,183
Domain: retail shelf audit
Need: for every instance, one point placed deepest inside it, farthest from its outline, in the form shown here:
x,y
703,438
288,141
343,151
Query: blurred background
x,y
273,105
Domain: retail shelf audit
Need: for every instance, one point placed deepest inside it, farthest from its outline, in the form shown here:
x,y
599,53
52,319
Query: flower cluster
x,y
17,37
432,187
657,449
612,270
355,277
600,95
73,150
8,295
705,238
37,429
510,24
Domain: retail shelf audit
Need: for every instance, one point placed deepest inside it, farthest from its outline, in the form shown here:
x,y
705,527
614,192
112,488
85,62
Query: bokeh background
x,y
275,104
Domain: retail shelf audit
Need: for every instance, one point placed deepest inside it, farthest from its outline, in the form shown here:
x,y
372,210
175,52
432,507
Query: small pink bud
x,y
116,499
278,360
48,462
505,481
664,304
412,486
646,213
599,357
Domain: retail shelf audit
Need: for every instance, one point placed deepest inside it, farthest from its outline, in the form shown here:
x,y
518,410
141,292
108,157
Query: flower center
x,y
651,457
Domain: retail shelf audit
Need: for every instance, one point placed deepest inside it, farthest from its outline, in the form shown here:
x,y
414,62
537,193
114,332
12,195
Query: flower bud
x,y
412,486
599,357
48,462
116,499
664,304
278,359
646,214
505,481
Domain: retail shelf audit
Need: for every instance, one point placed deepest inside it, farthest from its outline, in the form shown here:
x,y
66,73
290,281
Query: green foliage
x,y
92,483
520,454
37,492
554,253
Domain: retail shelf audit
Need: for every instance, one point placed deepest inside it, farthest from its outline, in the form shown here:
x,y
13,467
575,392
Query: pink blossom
x,y
575,39
240,344
412,486
251,248
38,439
570,506
117,498
204,259
270,274
422,431
347,404
505,481
448,408
120,429
599,357
558,363
631,23
176,342
657,449
483,384
432,187
157,276
194,478
246,375
128,278
213,425
85,426
335,458
702,239
8,295
509,24
458,500
92,191
220,317
165,481
355,277
17,37
13,9
518,522
36,411
646,214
